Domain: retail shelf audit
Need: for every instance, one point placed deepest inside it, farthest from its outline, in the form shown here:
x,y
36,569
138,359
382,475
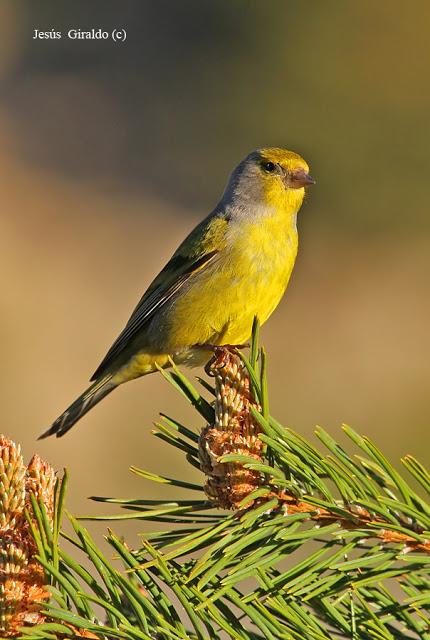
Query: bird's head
x,y
282,167
270,177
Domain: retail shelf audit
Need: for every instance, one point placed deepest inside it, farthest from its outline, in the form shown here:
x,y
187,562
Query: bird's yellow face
x,y
284,175
268,179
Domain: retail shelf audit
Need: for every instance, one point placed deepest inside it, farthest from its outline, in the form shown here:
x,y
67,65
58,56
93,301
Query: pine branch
x,y
283,540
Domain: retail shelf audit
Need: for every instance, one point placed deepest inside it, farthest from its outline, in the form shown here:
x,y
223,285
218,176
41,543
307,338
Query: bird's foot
x,y
218,359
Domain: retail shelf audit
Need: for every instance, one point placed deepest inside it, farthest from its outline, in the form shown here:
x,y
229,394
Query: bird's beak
x,y
300,178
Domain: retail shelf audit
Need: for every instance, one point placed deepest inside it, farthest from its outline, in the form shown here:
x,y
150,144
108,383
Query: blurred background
x,y
111,152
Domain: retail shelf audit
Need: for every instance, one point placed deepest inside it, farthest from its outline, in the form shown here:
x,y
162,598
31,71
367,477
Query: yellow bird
x,y
233,266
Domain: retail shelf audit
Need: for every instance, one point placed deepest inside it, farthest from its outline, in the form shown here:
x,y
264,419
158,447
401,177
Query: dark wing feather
x,y
170,280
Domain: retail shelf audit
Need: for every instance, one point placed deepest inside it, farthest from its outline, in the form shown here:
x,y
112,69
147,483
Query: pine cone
x,y
234,432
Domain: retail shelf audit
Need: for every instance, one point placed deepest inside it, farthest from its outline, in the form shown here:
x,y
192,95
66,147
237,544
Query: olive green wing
x,y
196,253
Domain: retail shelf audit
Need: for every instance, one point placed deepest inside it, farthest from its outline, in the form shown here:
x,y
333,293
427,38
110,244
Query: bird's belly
x,y
220,305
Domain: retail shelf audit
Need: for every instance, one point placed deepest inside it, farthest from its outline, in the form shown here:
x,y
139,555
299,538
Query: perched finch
x,y
234,266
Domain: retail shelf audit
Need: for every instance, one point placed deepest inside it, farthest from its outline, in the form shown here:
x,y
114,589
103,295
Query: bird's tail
x,y
80,406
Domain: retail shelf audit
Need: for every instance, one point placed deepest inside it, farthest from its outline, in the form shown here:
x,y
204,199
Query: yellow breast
x,y
248,280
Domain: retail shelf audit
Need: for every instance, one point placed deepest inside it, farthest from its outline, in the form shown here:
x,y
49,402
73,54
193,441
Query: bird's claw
x,y
218,359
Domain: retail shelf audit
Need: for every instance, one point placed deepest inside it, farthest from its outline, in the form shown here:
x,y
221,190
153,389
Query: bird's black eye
x,y
269,167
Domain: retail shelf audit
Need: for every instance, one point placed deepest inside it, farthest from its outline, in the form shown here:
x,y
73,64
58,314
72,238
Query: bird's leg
x,y
236,347
213,347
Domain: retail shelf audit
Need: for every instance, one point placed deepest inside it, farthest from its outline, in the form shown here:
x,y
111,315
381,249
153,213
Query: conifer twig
x,y
284,540
231,454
